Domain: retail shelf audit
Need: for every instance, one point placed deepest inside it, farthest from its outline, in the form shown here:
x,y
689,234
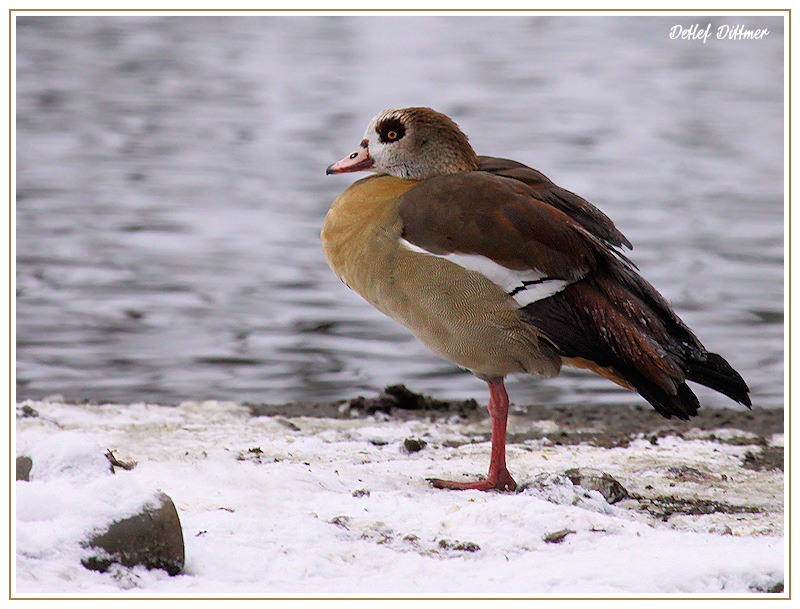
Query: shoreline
x,y
599,425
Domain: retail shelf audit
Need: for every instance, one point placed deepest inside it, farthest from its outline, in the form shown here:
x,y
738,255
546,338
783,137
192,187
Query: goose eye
x,y
390,130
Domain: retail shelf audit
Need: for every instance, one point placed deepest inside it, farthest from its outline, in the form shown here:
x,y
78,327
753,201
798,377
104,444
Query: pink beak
x,y
358,161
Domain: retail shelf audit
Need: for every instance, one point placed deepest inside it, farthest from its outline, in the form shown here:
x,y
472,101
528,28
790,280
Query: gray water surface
x,y
171,187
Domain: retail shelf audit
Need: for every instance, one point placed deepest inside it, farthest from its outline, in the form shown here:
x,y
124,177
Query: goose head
x,y
412,143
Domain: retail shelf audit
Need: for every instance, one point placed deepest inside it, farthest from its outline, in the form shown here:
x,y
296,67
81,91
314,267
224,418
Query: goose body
x,y
458,313
498,270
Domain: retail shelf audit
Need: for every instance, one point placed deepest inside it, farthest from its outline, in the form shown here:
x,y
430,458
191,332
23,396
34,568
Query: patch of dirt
x,y
395,400
459,546
776,588
601,425
663,507
770,457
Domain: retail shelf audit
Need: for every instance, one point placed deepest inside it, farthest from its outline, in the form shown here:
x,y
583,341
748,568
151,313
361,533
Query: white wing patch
x,y
524,287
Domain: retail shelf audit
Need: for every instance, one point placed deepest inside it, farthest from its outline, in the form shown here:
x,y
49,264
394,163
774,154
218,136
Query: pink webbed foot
x,y
501,482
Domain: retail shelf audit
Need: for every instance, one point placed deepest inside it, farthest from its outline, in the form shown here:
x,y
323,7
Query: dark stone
x,y
557,536
684,473
26,412
412,445
596,480
24,465
152,538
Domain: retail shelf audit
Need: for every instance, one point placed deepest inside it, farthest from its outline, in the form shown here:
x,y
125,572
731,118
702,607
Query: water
x,y
171,187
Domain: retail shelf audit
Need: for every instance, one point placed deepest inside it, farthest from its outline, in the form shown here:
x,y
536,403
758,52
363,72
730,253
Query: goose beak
x,y
358,161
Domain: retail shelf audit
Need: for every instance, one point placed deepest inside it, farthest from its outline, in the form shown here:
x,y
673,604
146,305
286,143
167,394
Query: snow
x,y
274,506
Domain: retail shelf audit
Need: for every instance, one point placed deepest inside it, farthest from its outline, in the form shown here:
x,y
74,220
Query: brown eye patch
x,y
390,130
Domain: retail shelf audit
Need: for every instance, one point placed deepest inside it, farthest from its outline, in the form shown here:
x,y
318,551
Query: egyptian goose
x,y
498,270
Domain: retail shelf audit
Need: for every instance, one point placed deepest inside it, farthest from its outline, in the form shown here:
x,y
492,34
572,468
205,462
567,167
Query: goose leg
x,y
498,477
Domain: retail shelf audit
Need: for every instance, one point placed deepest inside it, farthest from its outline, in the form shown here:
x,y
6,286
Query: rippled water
x,y
171,187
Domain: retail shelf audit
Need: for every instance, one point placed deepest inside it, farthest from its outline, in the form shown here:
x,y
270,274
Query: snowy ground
x,y
295,506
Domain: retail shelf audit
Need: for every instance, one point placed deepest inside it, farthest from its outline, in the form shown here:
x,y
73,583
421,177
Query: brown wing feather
x,y
479,213
539,187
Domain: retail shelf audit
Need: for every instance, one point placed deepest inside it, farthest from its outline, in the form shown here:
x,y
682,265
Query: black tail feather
x,y
716,373
683,404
